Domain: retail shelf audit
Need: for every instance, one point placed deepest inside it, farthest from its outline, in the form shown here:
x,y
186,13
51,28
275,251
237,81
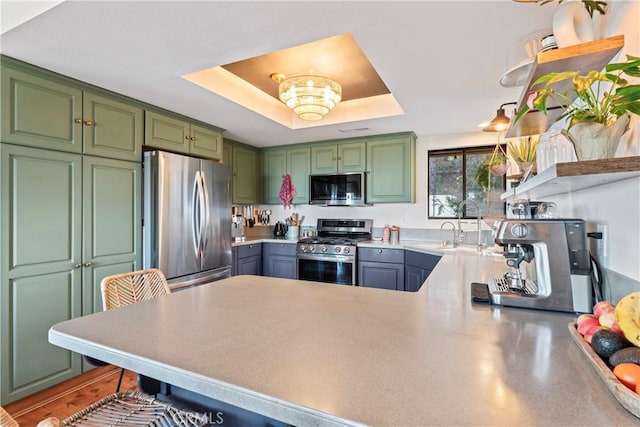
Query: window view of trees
x,y
456,175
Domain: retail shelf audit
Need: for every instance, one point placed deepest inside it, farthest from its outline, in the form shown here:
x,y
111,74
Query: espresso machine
x,y
237,225
549,265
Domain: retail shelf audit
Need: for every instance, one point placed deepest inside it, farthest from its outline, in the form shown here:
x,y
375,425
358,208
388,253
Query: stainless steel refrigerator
x,y
186,214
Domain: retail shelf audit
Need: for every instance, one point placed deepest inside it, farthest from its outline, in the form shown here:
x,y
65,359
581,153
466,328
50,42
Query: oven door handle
x,y
328,258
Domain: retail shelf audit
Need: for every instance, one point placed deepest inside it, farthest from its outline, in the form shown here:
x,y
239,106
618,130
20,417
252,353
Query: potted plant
x,y
603,103
523,151
591,5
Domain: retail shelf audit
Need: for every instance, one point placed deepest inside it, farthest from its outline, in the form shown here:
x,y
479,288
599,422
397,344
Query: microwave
x,y
343,189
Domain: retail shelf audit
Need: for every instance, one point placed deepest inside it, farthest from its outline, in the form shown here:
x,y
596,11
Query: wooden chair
x,y
129,288
123,289
133,408
6,420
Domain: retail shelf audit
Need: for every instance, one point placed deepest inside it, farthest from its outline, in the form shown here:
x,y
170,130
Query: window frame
x,y
463,152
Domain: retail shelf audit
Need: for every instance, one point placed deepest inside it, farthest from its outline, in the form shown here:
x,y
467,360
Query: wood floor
x,y
69,397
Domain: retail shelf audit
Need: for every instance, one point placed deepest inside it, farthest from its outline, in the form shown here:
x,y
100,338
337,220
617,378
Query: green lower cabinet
x,y
391,174
63,227
112,232
40,285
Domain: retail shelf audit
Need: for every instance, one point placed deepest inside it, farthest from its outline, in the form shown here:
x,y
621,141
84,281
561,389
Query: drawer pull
x,y
379,251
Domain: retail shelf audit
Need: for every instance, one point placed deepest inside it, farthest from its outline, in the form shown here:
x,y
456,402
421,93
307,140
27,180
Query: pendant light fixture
x,y
310,97
500,122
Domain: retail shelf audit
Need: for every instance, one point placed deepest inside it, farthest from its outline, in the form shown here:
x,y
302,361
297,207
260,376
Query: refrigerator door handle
x,y
206,214
195,214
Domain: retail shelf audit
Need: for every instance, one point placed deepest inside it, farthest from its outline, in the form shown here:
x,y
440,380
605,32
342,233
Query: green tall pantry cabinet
x,y
67,218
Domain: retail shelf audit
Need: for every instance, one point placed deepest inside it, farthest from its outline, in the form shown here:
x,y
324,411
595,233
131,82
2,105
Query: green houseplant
x,y
603,104
523,151
591,5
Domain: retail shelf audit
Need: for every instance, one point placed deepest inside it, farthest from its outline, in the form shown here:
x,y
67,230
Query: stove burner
x,y
344,241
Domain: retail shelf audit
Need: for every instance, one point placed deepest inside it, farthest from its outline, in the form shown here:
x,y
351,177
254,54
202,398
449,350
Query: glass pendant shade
x,y
310,97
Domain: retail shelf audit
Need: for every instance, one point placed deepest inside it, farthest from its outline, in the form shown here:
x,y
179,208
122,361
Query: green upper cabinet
x,y
112,128
205,142
337,158
227,153
279,162
299,167
166,132
391,169
274,168
39,112
244,180
48,113
175,134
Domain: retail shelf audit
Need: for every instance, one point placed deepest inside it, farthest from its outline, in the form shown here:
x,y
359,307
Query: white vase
x,y
595,141
572,24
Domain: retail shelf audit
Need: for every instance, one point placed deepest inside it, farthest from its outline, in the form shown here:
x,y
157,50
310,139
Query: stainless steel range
x,y
331,255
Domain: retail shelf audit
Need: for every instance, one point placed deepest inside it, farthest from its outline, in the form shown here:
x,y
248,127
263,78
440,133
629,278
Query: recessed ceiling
x,y
441,60
245,82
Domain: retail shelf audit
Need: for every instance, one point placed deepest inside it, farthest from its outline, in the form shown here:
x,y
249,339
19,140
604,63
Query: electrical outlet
x,y
599,248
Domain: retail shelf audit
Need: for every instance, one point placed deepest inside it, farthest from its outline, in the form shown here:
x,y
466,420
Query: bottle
x,y
386,233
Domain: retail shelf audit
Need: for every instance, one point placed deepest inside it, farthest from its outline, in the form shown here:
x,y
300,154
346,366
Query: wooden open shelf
x,y
583,57
566,177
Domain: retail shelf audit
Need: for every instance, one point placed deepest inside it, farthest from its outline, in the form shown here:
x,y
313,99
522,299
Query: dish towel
x,y
287,191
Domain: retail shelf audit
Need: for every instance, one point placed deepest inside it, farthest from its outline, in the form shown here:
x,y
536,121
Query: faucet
x,y
454,240
480,246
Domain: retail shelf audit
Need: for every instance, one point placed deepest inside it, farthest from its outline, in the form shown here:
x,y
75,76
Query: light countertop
x,y
427,246
311,353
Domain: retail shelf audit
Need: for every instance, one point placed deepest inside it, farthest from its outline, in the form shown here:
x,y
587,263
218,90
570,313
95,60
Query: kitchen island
x,y
310,353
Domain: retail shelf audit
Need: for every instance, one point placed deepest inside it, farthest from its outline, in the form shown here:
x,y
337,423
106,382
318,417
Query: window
x,y
463,174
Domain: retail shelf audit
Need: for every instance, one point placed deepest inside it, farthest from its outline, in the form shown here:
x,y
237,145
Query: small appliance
x,y
280,229
549,265
344,189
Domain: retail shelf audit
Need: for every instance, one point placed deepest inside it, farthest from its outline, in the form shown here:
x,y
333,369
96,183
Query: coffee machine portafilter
x,y
549,265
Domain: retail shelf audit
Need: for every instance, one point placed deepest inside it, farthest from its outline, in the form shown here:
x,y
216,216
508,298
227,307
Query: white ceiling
x,y
441,59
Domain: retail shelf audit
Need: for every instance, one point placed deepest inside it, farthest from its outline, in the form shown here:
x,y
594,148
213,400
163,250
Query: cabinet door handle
x,y
78,265
187,137
78,120
87,264
335,158
89,123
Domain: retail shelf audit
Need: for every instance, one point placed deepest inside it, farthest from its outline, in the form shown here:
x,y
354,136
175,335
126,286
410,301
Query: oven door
x,y
327,268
